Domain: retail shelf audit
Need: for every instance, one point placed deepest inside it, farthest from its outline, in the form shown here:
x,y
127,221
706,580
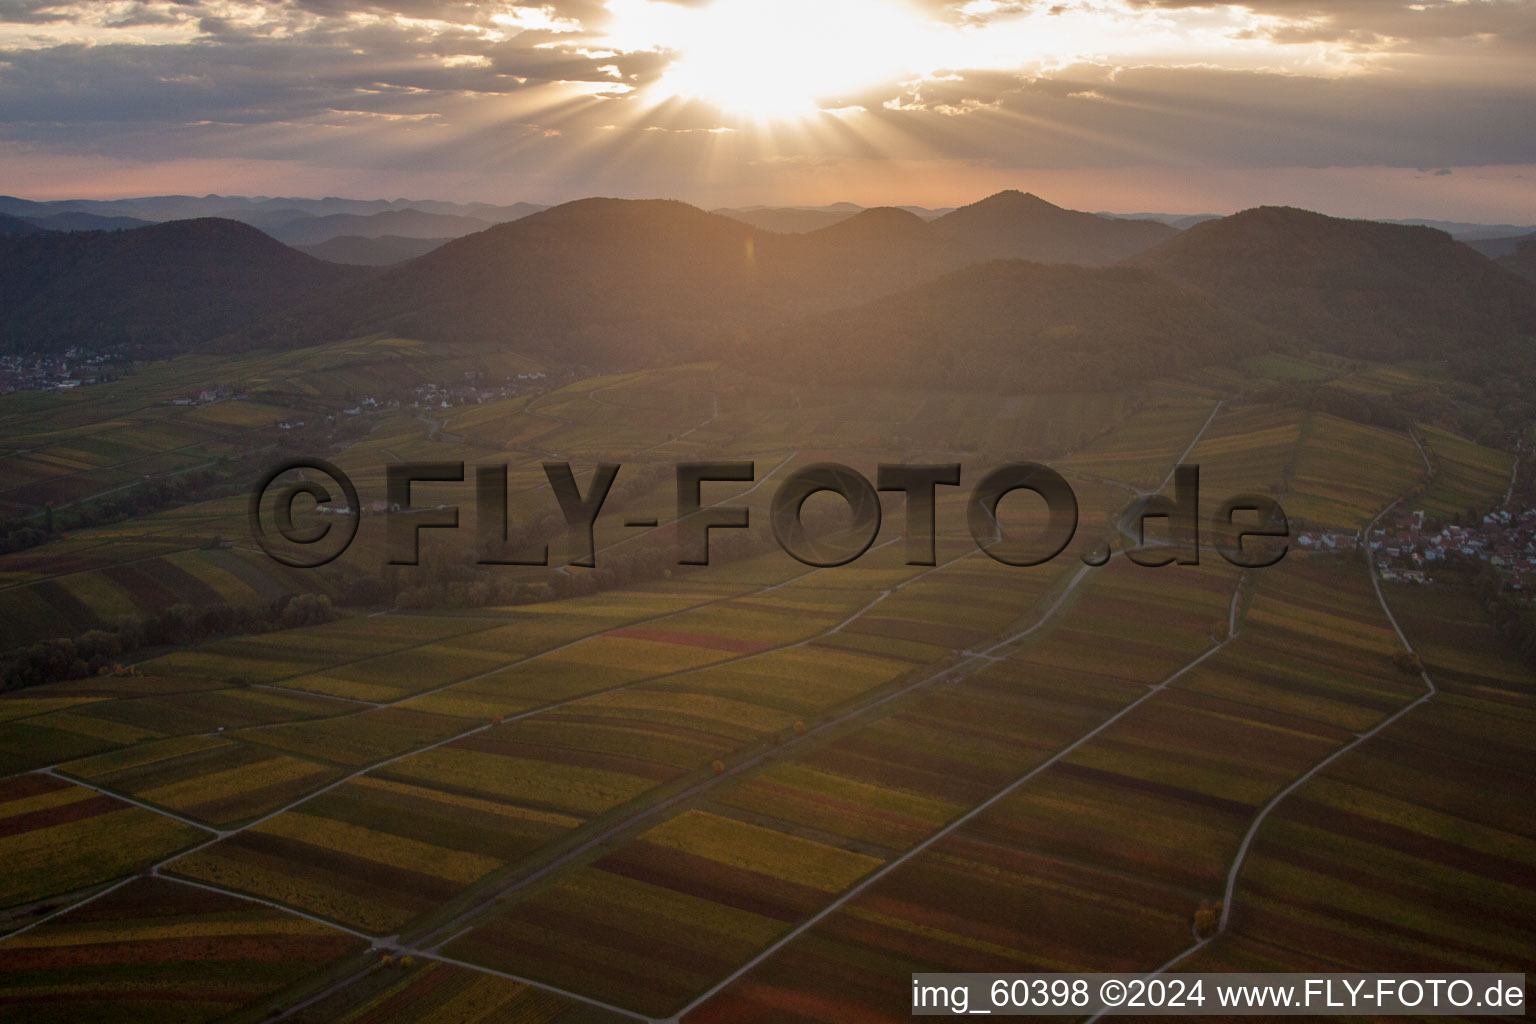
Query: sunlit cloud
x,y
664,96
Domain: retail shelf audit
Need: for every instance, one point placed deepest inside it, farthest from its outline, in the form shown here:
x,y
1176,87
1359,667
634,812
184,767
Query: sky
x,y
1374,108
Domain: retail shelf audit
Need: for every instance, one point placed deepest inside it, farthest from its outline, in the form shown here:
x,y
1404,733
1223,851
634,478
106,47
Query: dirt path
x,y
1430,691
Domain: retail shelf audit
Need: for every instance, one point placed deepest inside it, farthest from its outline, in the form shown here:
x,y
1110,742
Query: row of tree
x,y
1513,612
100,651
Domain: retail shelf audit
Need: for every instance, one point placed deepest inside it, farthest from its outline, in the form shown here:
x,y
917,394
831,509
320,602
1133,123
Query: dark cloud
x,y
33,12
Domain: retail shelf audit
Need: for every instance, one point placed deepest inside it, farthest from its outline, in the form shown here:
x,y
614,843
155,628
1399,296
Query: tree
x,y
1207,918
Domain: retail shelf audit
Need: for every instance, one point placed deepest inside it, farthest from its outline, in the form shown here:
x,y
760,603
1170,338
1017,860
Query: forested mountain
x,y
1012,325
167,287
1363,288
611,282
1021,225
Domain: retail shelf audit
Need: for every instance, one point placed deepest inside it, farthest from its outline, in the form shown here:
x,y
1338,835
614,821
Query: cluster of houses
x,y
438,396
1409,550
1341,542
208,396
75,368
378,508
474,390
369,403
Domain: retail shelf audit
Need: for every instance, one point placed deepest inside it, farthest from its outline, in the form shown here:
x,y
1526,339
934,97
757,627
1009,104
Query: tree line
x,y
101,651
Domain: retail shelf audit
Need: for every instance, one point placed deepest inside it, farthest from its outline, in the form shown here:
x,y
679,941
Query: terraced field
x,y
758,791
1100,860
1470,478
220,782
872,792
1434,803
433,992
58,838
154,950
1347,472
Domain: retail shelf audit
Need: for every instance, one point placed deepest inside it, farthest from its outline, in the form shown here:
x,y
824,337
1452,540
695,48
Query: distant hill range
x,y
1008,225
11,225
604,279
162,208
1463,231
1011,291
293,221
169,287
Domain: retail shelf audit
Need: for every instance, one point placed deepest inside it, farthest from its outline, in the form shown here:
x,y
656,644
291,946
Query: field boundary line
x,y
92,898
958,823
710,782
531,983
373,943
1430,691
84,784
968,663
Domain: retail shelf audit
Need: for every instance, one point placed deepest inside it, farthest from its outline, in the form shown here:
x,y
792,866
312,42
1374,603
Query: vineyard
x,y
755,790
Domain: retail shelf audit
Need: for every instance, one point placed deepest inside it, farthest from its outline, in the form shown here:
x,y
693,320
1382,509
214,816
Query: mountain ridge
x,y
166,287
1360,288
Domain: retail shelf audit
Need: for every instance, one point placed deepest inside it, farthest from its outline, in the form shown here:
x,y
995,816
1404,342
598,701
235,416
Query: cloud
x,y
1100,115
1399,24
540,91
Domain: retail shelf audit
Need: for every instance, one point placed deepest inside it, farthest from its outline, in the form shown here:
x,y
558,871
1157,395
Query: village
x,y
1411,549
473,390
1414,547
74,368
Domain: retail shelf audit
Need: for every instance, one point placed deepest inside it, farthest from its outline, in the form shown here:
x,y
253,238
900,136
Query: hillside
x,y
786,220
87,222
1493,248
1015,325
17,226
307,230
872,253
1361,288
1522,261
383,251
597,278
167,287
1020,225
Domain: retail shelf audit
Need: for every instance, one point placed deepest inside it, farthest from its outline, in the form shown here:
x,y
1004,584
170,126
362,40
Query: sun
x,y
770,59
